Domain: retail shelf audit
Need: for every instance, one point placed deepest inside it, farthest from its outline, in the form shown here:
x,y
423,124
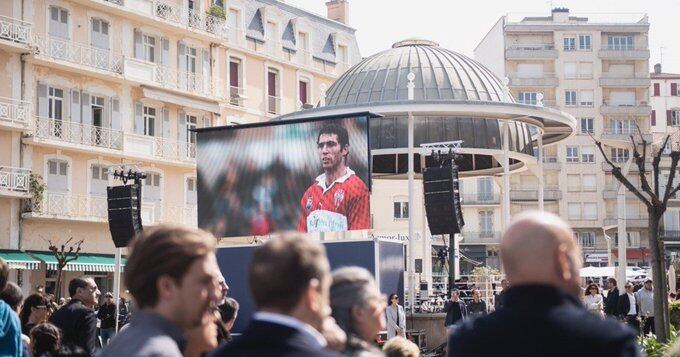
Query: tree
x,y
656,203
64,257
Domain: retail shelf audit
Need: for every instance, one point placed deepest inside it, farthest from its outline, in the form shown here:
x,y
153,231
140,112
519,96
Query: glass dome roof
x,y
440,74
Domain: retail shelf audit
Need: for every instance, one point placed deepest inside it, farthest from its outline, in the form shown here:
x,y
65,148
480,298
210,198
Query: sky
x,y
460,25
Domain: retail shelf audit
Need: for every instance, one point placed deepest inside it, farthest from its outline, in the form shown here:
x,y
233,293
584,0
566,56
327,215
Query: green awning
x,y
85,261
17,259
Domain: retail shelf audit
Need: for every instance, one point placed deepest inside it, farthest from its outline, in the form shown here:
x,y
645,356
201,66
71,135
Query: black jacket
x,y
264,339
107,315
454,315
78,324
611,302
624,306
542,321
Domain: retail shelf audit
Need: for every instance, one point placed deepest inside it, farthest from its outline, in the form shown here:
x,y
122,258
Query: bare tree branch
x,y
675,156
616,171
655,165
640,162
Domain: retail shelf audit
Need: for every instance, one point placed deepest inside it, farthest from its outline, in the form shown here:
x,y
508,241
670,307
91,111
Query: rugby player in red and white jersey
x,y
339,199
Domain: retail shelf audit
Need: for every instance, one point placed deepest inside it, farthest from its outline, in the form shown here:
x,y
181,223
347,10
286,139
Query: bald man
x,y
543,314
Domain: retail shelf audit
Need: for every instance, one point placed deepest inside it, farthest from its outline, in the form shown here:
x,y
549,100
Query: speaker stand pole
x,y
116,284
411,240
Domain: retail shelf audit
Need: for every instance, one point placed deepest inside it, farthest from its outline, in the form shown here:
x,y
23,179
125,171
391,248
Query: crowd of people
x,y
182,307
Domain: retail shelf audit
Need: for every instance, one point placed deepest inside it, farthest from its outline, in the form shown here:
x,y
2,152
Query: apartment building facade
x,y
597,71
92,84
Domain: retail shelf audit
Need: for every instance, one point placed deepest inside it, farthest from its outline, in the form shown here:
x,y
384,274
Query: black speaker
x,y
125,220
419,266
442,199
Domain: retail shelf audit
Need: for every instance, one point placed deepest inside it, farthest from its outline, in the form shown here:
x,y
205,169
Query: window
x,y
569,43
273,102
572,154
343,54
97,108
149,121
149,48
527,97
633,240
485,189
587,125
623,126
621,43
99,180
585,98
486,222
588,154
586,239
570,98
236,93
574,210
590,211
584,42
303,91
303,42
58,22
192,123
619,155
55,103
589,182
573,183
57,174
675,117
570,70
400,208
191,191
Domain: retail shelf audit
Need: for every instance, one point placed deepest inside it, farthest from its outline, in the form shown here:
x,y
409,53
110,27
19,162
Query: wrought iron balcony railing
x,y
79,54
14,179
15,30
15,112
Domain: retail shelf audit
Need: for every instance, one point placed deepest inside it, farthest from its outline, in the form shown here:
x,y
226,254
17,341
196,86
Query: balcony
x,y
551,163
530,193
155,213
624,52
670,235
620,137
633,220
183,81
533,80
490,237
480,199
531,51
14,114
237,96
66,206
14,182
71,55
86,138
273,105
625,80
620,161
15,35
611,192
578,76
638,108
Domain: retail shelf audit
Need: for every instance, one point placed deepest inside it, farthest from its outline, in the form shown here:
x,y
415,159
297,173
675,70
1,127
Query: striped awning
x,y
19,260
85,262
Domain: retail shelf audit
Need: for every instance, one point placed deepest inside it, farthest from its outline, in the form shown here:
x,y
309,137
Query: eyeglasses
x,y
395,298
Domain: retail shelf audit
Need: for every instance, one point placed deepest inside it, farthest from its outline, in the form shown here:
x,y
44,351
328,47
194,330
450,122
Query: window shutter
x,y
86,111
139,48
165,51
669,118
139,118
206,71
653,117
657,89
182,65
43,106
115,113
182,127
75,105
166,123
674,89
106,113
205,122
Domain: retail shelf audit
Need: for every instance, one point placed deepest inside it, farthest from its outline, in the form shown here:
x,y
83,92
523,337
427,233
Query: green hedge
x,y
674,309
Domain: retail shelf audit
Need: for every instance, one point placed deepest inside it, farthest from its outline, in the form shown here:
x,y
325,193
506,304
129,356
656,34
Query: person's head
x,y
393,299
358,307
505,284
224,288
62,300
35,309
290,275
333,146
229,312
171,271
592,289
400,347
611,283
108,298
13,296
455,294
628,287
84,289
648,284
4,273
475,295
45,339
537,239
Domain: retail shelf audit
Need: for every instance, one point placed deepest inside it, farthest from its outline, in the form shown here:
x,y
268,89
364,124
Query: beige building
x,y
597,71
93,83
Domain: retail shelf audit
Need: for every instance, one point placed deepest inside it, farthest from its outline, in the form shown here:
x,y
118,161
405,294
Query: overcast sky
x,y
460,25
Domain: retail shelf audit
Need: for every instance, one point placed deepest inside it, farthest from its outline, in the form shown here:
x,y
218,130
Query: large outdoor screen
x,y
309,176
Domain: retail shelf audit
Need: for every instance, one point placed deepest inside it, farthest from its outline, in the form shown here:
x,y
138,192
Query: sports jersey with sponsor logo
x,y
344,205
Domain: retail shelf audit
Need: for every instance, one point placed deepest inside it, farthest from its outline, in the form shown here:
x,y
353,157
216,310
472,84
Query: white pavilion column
x,y
506,174
541,174
621,225
411,177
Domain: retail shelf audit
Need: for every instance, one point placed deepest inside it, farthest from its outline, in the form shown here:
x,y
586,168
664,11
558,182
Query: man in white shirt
x,y
628,308
645,300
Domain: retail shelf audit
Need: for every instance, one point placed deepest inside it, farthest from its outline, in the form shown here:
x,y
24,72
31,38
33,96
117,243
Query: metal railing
x,y
549,159
480,198
14,179
481,237
78,133
15,30
623,47
578,76
531,47
14,111
174,149
191,18
186,81
79,54
66,205
625,75
635,103
237,96
273,104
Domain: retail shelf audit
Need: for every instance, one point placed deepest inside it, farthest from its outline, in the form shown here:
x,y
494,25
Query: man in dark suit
x,y
289,280
611,302
455,309
628,309
77,319
543,315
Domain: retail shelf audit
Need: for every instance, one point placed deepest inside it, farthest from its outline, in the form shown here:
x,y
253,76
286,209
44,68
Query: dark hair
x,y
12,295
612,280
339,130
280,271
4,272
228,309
45,338
591,286
163,251
82,282
389,299
33,300
72,350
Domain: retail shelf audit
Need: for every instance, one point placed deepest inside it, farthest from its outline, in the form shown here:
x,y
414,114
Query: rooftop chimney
x,y
657,68
338,10
560,14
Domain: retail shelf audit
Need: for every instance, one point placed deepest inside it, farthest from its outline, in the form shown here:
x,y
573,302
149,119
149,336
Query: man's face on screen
x,y
330,152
